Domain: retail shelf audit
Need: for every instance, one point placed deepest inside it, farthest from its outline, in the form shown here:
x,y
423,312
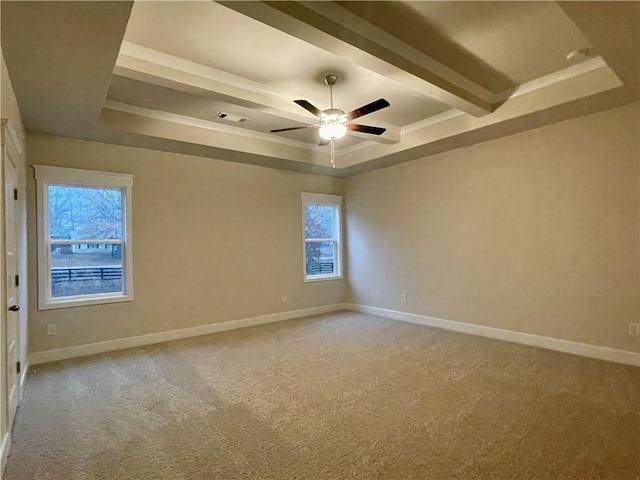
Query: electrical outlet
x,y
51,329
634,329
284,299
403,298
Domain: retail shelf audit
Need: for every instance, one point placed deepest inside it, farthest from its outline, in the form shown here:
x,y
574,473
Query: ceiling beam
x,y
169,126
206,124
323,24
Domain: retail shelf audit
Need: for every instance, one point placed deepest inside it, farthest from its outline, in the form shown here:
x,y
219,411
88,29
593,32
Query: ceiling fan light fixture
x,y
333,124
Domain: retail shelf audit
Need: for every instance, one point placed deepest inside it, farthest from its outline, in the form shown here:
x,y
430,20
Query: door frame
x,y
11,364
10,146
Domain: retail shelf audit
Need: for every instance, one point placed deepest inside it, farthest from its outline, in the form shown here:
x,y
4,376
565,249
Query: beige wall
x,y
8,103
212,241
536,232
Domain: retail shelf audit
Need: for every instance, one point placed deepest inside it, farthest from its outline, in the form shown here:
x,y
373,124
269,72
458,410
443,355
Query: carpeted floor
x,y
340,396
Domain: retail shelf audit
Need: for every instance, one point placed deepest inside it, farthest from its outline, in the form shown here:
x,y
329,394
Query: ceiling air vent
x,y
230,117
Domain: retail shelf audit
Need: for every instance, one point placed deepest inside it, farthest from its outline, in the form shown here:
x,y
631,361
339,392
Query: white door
x,y
11,282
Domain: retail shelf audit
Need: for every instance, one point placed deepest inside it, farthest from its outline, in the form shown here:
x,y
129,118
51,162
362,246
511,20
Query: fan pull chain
x,y
333,155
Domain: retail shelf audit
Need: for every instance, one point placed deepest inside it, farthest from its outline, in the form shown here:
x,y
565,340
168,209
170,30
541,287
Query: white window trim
x,y
334,201
45,176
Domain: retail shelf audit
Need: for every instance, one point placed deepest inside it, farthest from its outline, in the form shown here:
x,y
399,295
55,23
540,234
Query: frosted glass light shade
x,y
333,130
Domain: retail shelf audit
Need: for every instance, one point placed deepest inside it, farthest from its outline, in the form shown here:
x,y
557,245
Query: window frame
x,y
334,201
46,176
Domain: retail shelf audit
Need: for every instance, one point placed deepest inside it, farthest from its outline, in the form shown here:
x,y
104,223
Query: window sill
x,y
322,278
70,303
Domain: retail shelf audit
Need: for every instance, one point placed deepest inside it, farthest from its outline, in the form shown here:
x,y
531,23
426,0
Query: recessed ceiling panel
x,y
211,34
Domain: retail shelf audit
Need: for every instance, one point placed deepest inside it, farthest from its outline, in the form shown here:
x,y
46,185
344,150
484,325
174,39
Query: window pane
x,y
318,221
85,269
77,213
320,258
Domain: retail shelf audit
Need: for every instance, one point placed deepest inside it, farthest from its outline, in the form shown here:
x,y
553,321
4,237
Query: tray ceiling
x,y
155,74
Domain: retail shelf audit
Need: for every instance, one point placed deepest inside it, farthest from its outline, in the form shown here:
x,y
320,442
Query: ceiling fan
x,y
334,123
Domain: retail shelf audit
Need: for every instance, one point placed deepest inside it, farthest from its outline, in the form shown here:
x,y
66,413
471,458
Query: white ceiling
x,y
155,74
497,44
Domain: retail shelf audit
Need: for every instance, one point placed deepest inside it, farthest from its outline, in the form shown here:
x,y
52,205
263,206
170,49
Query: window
x,y
84,237
321,233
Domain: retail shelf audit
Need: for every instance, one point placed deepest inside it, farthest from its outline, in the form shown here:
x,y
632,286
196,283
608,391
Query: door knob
x,y
14,308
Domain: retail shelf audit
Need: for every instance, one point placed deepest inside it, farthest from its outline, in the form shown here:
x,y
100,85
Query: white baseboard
x,y
37,358
549,343
5,445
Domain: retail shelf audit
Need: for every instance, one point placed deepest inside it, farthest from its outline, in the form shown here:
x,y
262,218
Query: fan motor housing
x,y
333,113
